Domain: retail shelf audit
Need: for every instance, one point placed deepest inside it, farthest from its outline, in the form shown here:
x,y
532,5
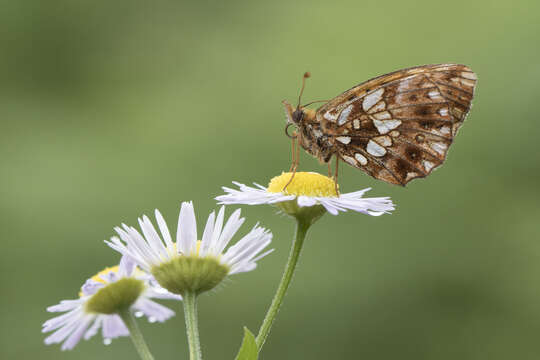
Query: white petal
x,y
127,265
305,201
153,310
65,305
113,327
218,225
251,196
231,227
164,230
153,238
186,236
66,329
207,234
77,334
62,320
94,328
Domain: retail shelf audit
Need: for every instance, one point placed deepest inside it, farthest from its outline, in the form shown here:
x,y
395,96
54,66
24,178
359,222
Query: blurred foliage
x,y
110,110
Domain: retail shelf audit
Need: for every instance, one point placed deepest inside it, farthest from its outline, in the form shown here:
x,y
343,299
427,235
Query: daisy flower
x,y
306,197
102,299
190,265
306,190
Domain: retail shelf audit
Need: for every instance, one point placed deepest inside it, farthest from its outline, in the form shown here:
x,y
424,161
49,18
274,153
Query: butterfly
x,y
396,127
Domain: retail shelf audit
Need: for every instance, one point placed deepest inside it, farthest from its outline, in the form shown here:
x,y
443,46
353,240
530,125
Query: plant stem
x,y
136,335
302,227
192,325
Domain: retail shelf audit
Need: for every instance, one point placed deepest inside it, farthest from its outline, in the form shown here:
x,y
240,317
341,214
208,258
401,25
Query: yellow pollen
x,y
303,183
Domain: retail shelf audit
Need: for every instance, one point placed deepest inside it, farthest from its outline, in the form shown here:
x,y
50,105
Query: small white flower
x,y
190,264
308,189
80,320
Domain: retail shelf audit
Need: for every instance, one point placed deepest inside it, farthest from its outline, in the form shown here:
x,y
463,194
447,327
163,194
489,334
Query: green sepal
x,y
248,350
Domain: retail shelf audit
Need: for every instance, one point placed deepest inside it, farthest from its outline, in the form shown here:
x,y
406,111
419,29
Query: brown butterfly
x,y
396,127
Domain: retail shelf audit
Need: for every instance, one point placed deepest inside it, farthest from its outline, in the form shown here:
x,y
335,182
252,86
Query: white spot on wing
x,y
349,160
428,165
385,126
439,147
434,95
443,111
329,117
317,133
445,130
343,117
361,158
344,139
356,123
372,99
375,149
410,175
467,82
382,116
469,75
463,81
381,105
394,133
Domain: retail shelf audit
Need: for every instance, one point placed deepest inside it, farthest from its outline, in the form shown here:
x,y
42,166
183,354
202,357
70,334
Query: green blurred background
x,y
109,110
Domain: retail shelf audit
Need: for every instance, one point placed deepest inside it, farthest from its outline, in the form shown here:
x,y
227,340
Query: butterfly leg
x,y
291,179
329,169
296,155
336,175
293,161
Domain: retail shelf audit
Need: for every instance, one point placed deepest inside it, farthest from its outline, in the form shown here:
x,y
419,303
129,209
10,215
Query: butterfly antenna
x,y
306,75
314,102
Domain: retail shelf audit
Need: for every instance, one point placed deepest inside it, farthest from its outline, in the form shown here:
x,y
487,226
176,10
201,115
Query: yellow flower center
x,y
303,183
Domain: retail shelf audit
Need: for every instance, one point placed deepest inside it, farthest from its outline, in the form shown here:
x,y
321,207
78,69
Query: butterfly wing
x,y
398,127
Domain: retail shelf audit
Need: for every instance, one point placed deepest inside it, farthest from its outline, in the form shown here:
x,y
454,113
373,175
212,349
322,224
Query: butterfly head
x,y
294,116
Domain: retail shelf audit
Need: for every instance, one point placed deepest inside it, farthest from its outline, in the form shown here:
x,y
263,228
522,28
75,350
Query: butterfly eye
x,y
297,115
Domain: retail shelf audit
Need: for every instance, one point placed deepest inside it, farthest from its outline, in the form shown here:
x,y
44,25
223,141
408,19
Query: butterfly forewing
x,y
399,126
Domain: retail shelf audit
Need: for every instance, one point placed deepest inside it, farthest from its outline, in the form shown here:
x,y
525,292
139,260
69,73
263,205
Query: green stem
x,y
302,227
136,334
192,325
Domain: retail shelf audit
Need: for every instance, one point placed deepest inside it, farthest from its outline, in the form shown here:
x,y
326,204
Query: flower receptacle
x,y
115,297
191,274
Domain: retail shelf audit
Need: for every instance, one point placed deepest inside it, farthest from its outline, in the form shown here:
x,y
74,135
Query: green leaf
x,y
248,350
